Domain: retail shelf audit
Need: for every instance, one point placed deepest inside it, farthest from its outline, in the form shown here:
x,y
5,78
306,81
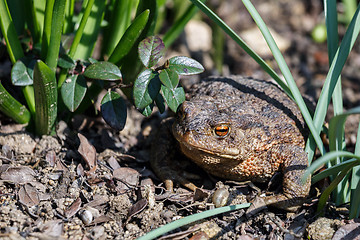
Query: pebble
x,y
220,197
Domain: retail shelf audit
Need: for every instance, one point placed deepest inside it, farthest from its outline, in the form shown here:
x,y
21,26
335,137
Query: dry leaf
x,y
80,170
137,208
258,204
88,152
128,177
51,158
17,175
97,201
28,195
101,219
53,228
113,163
73,208
348,231
60,166
199,236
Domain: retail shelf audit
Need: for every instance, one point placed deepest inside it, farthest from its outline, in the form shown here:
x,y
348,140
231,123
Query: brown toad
x,y
240,129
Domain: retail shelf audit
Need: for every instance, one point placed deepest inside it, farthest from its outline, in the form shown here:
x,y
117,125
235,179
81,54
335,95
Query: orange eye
x,y
222,130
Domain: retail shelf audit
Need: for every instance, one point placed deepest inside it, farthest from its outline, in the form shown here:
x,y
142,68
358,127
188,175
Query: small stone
x,y
322,229
198,36
255,39
220,197
86,216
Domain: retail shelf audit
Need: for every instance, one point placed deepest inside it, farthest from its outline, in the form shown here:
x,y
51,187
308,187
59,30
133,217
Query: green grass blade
x,y
14,50
217,53
80,30
325,195
337,128
217,20
331,28
57,22
355,193
174,32
332,43
47,28
119,22
91,31
129,38
79,33
12,108
333,75
355,184
190,219
19,15
28,92
326,158
69,14
40,6
8,31
31,21
45,99
285,71
334,170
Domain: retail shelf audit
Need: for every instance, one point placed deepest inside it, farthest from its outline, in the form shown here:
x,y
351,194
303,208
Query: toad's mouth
x,y
188,146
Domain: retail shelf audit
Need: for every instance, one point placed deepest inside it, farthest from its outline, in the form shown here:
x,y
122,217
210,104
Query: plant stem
x,y
77,39
173,33
91,31
118,24
31,21
47,28
57,22
8,31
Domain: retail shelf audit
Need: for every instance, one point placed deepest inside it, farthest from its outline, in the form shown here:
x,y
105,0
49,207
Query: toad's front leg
x,y
294,190
163,154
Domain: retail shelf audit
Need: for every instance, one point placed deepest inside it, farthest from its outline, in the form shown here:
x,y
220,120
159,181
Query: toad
x,y
237,128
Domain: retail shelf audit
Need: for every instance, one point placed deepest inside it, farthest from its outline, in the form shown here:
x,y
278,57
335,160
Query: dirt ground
x,y
91,182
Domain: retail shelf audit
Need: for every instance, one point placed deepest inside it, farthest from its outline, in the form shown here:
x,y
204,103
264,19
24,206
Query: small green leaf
x,y
65,61
22,72
185,66
151,50
169,78
103,71
113,109
146,88
173,97
159,100
73,91
147,110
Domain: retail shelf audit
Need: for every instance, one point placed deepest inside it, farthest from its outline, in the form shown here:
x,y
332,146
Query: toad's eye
x,y
222,130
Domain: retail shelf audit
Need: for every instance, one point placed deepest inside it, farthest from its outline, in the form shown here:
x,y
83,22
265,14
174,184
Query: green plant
x,y
344,169
55,38
147,86
149,82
